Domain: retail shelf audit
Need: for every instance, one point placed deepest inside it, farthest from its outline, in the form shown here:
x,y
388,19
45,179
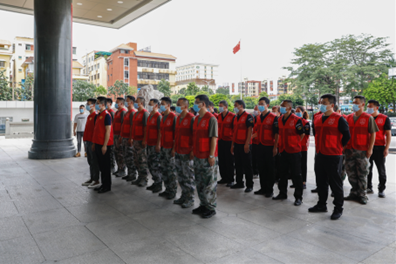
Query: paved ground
x,y
46,216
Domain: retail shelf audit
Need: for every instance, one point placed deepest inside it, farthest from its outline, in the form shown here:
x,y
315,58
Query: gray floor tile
x,y
67,242
36,204
26,192
105,256
12,227
21,250
232,206
247,256
4,195
384,256
131,205
92,212
7,209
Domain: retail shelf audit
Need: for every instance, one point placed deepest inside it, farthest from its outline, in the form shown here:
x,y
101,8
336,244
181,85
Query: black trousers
x,y
304,164
379,159
104,165
291,161
255,165
243,163
266,163
80,136
226,161
277,168
328,170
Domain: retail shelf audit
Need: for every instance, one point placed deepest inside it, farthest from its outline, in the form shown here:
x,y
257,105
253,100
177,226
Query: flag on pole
x,y
237,47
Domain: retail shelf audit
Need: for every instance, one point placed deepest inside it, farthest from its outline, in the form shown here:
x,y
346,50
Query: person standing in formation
x,y
301,113
255,143
109,104
118,149
79,123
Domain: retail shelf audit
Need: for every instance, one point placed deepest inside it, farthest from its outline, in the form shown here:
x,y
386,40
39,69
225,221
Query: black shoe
x,y
171,196
381,194
230,184
163,194
199,210
350,198
114,173
292,186
369,190
362,200
136,182
208,213
125,177
279,197
222,181
248,190
259,192
130,178
318,209
269,195
297,202
98,188
179,201
157,188
336,214
238,186
151,187
314,190
103,190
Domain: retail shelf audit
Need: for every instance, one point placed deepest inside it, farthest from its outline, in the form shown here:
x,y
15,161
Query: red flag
x,y
237,47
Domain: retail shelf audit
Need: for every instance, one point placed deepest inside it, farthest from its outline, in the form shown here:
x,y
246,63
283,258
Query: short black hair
x,y
155,101
192,109
185,100
142,100
265,99
302,108
82,106
223,102
361,98
203,98
290,102
211,104
91,100
109,100
173,108
167,100
241,102
122,99
216,110
330,97
293,110
375,102
132,98
102,100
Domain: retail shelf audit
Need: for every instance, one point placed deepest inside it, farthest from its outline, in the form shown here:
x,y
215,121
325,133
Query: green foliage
x,y
132,90
120,89
83,90
192,89
275,102
296,99
216,98
26,90
223,91
383,90
164,87
5,89
202,92
100,91
191,100
250,102
175,97
207,90
263,94
182,91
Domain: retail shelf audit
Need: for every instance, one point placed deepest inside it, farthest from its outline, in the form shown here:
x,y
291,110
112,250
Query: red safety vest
x,y
100,130
111,111
305,140
215,115
137,125
225,126
117,121
240,129
380,135
201,146
167,131
266,135
360,137
126,124
290,141
152,129
328,139
184,135
89,127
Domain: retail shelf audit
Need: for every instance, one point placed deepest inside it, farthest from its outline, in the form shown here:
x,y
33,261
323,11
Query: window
x,y
20,57
126,62
126,74
28,47
98,66
98,76
19,70
74,50
19,44
2,64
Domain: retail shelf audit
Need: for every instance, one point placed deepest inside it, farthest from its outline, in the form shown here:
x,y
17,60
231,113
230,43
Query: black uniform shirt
x,y
387,125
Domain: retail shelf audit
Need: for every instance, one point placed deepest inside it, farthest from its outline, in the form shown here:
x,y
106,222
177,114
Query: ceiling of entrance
x,y
106,13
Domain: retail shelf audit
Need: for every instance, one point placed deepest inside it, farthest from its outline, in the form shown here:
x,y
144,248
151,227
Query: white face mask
x,y
150,108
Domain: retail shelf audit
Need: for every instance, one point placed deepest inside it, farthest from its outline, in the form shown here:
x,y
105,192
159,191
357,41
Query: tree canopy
x,y
383,90
121,89
164,87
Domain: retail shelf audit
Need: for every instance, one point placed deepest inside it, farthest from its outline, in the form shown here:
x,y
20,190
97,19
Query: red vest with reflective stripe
x,y
290,141
184,135
225,126
152,129
305,140
100,130
126,124
89,127
137,125
328,139
265,132
201,146
167,131
240,129
117,121
255,140
380,135
360,136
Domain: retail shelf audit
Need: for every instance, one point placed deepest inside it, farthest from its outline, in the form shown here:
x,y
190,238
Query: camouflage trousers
x,y
185,175
168,170
154,164
112,160
206,182
129,157
140,158
119,153
343,173
357,168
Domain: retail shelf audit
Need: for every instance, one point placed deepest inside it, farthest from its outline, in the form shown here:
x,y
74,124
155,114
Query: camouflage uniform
x,y
343,173
185,175
206,182
154,164
168,170
140,158
357,168
119,153
129,157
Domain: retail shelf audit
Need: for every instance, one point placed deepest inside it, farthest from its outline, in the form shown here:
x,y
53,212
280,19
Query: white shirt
x,y
80,120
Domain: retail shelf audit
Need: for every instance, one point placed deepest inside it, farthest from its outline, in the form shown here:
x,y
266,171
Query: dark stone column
x,y
52,80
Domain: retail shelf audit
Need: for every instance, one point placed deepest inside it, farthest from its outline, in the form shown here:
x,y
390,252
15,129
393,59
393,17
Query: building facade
x,y
6,58
95,67
202,74
250,88
22,48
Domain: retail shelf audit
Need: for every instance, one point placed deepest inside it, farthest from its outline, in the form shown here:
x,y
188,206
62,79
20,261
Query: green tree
x,y
83,90
275,102
5,89
216,98
383,90
132,90
296,99
175,97
191,100
182,91
119,89
263,94
100,91
192,89
223,91
164,87
26,91
250,102
207,89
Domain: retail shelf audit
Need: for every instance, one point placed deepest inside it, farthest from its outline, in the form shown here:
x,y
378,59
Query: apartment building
x,y
22,48
6,58
250,88
95,67
202,74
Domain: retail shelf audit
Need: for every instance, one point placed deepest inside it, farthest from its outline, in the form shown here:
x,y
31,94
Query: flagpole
x,y
241,70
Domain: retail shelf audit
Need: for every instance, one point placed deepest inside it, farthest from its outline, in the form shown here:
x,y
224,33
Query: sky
x,y
207,30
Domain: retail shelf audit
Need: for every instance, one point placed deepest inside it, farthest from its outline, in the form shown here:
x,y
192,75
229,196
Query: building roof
x,y
5,42
154,55
121,46
76,64
197,63
29,60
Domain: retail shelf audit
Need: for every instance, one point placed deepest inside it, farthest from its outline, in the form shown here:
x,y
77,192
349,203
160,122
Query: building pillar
x,y
52,80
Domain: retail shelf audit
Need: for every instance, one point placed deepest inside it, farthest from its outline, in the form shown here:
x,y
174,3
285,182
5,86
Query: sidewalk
x,y
47,216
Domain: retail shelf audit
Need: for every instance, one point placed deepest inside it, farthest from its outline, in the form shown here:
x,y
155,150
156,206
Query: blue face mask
x,y
178,109
116,105
97,107
159,110
126,104
355,108
323,108
236,110
162,107
370,110
261,108
221,109
88,107
299,114
136,105
196,108
81,111
283,110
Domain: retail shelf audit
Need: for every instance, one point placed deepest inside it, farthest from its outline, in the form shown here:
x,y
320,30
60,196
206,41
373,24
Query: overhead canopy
x,y
105,13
